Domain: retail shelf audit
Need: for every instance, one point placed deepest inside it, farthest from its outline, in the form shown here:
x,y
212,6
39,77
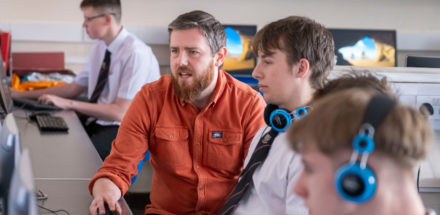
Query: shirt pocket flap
x,y
172,134
225,137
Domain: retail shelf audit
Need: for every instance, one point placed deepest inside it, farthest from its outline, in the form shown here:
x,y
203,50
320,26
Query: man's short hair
x,y
112,7
403,135
211,28
355,79
299,37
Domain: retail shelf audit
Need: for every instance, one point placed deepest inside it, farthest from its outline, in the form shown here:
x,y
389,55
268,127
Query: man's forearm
x,y
71,90
107,112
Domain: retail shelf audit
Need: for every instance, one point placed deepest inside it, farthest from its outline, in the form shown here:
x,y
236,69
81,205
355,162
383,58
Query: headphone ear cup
x,y
267,111
354,183
280,120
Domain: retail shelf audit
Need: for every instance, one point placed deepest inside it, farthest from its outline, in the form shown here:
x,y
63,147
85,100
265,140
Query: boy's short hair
x,y
210,27
112,7
355,79
299,37
404,134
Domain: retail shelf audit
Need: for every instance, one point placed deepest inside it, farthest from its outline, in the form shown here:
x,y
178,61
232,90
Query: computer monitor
x,y
423,61
240,59
5,94
22,196
361,47
9,154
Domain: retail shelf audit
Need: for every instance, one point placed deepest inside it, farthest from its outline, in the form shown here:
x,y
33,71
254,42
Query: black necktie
x,y
256,160
102,78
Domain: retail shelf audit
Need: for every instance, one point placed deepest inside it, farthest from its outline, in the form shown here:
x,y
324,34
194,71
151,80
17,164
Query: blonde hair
x,y
404,134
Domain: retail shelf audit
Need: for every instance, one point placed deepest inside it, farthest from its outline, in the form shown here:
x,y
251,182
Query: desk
x,y
59,191
59,155
62,163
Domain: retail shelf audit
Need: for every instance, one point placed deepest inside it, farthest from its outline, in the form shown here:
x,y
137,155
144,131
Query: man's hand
x,y
104,190
56,101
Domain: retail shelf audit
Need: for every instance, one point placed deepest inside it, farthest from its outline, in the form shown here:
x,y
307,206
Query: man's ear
x,y
303,68
220,56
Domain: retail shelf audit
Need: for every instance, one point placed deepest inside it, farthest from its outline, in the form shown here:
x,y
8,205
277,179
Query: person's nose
x,y
299,188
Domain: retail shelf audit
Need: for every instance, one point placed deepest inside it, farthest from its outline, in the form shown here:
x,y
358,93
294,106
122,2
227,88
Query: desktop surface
x,y
59,155
69,195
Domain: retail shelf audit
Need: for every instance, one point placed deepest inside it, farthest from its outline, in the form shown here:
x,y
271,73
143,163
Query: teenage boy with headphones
x,y
295,55
359,149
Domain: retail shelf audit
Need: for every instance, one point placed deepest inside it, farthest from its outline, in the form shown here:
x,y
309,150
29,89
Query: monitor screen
x,y
423,61
239,60
361,47
22,197
9,154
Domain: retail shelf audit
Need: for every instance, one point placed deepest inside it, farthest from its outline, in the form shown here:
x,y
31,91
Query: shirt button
x,y
224,140
197,166
201,188
171,136
198,143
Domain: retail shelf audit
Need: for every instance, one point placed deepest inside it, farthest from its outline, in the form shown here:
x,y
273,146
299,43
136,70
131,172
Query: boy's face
x,y
94,23
276,79
192,65
316,184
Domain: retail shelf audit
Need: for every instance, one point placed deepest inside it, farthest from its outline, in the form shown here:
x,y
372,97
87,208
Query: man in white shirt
x,y
295,55
129,65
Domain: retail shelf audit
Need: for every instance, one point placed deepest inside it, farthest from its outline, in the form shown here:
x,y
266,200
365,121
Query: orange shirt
x,y
196,155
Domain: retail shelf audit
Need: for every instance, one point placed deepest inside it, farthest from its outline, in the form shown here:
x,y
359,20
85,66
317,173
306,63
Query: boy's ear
x,y
108,18
303,68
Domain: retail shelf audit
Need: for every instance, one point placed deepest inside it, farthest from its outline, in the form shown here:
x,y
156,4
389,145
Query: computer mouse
x,y
107,209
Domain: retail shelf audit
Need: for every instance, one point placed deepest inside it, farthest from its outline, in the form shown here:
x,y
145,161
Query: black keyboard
x,y
51,123
32,104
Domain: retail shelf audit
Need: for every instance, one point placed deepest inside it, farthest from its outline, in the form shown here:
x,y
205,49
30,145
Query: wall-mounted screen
x,y
361,47
240,59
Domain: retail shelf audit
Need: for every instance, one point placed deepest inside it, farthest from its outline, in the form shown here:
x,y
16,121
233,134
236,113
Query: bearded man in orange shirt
x,y
197,123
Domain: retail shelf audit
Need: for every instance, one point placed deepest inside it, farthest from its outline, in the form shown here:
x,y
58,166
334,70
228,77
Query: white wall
x,y
403,15
417,21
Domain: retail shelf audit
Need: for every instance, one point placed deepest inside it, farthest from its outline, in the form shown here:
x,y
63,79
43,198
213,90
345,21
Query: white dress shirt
x,y
271,190
132,65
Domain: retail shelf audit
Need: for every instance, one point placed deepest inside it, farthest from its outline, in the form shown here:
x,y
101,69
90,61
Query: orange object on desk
x,y
32,85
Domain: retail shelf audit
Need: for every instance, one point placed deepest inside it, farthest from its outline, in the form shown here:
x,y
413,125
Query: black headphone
x,y
280,119
355,181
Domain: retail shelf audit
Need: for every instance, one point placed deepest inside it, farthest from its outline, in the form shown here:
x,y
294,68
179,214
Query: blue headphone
x,y
355,181
280,119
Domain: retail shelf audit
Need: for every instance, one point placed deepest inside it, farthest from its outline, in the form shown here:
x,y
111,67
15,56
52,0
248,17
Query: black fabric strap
x,y
378,107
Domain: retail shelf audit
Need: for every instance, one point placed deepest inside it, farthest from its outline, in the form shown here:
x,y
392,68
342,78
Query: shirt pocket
x,y
170,147
224,151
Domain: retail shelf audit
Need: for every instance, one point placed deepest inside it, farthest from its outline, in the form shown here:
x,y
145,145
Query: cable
x,y
418,177
43,197
54,211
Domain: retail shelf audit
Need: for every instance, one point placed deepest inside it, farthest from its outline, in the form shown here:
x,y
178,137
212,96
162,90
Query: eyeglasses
x,y
89,19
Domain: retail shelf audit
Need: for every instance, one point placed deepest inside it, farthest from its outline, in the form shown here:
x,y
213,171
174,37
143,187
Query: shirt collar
x,y
430,212
117,42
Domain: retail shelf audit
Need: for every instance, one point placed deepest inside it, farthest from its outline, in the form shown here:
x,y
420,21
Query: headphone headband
x,y
355,181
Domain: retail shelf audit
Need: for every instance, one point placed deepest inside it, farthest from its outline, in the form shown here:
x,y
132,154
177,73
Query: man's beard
x,y
189,91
